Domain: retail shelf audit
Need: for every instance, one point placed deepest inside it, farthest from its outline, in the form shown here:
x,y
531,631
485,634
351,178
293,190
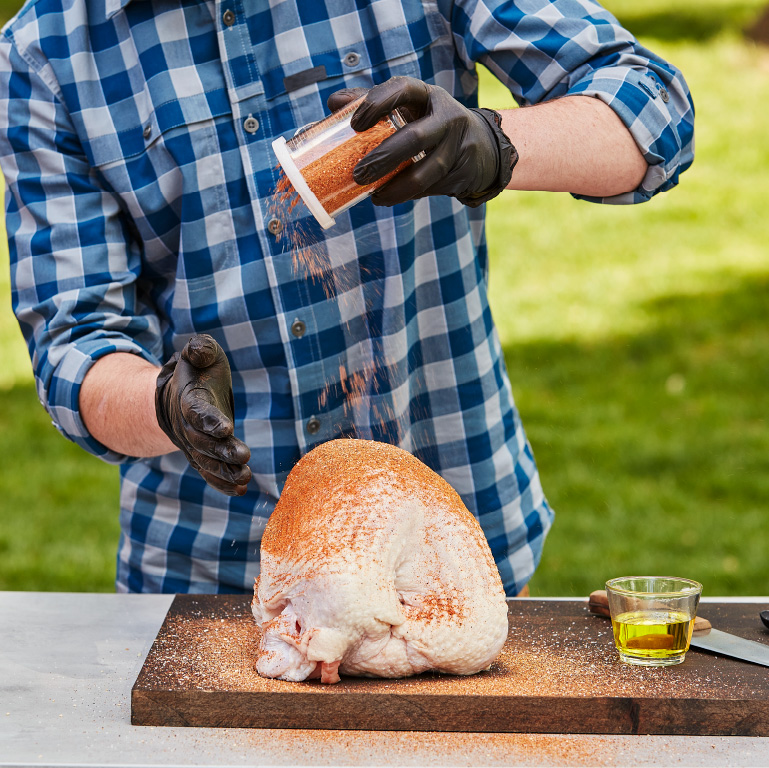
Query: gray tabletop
x,y
68,662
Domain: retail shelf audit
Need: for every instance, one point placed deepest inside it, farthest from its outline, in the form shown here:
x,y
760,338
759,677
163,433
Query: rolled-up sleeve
x,y
545,50
74,263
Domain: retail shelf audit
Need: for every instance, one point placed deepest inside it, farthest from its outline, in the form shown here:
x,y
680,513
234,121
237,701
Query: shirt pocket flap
x,y
136,136
386,31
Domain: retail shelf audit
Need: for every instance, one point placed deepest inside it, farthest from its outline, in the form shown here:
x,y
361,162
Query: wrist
x,y
507,157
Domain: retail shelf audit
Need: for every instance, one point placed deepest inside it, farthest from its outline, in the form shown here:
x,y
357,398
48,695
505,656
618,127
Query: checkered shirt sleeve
x,y
545,50
61,222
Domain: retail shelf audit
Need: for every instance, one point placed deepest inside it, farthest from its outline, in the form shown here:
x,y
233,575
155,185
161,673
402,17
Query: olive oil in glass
x,y
653,637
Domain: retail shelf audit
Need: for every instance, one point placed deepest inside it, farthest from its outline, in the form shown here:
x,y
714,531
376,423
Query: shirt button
x,y
228,17
275,226
147,131
251,124
664,95
352,59
313,425
298,328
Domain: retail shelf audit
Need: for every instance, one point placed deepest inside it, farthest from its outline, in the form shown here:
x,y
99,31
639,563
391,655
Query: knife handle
x,y
598,603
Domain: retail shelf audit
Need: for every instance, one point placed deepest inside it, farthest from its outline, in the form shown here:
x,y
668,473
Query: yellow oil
x,y
649,636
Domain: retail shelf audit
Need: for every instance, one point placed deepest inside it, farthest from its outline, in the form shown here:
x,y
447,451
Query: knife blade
x,y
704,637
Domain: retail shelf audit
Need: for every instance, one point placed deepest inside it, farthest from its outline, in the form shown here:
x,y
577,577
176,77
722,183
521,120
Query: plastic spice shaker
x,y
320,158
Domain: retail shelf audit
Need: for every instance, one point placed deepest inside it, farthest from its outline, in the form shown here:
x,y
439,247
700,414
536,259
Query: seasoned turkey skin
x,y
371,565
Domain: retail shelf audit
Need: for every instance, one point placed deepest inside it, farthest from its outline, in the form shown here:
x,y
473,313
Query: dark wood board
x,y
558,673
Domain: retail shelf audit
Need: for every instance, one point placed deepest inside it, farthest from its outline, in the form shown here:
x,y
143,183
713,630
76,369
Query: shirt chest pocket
x,y
153,137
170,95
165,164
306,63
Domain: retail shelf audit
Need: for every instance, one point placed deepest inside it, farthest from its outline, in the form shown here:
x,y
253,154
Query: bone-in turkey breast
x,y
371,565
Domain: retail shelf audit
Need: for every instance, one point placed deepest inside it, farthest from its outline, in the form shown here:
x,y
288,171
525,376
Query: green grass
x,y
59,521
637,340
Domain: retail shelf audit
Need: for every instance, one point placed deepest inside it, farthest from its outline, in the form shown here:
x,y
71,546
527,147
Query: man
x,y
143,231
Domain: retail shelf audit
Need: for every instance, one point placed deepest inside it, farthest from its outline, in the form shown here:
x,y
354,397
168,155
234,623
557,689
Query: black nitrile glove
x,y
468,154
194,407
341,98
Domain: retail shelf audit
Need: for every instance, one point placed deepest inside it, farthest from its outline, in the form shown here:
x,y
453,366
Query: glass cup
x,y
653,618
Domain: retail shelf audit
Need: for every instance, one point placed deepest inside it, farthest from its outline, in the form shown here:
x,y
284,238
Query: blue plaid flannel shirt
x,y
135,144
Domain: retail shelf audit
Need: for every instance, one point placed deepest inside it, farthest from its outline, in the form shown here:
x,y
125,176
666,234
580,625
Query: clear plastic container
x,y
320,158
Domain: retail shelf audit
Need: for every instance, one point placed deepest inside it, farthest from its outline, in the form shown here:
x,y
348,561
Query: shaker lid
x,y
300,185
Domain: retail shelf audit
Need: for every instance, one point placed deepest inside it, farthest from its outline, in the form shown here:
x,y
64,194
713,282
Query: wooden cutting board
x,y
558,673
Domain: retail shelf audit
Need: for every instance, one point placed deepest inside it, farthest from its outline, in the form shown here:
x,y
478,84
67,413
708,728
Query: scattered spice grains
x,y
340,280
554,648
309,258
547,654
425,748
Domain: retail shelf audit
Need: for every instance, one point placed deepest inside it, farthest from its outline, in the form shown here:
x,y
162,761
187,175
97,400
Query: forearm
x,y
575,144
117,404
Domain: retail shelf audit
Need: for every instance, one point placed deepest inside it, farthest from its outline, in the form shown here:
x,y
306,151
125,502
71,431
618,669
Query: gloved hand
x,y
194,407
468,154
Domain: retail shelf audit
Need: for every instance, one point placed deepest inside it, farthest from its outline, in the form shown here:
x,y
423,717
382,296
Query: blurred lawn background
x,y
637,340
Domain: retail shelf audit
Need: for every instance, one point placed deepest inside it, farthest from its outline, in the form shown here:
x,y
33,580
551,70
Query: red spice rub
x,y
330,176
314,494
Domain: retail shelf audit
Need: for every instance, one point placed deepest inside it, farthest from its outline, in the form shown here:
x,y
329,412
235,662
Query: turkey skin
x,y
371,565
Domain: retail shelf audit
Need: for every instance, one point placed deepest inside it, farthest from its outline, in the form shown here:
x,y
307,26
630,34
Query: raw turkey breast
x,y
371,565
